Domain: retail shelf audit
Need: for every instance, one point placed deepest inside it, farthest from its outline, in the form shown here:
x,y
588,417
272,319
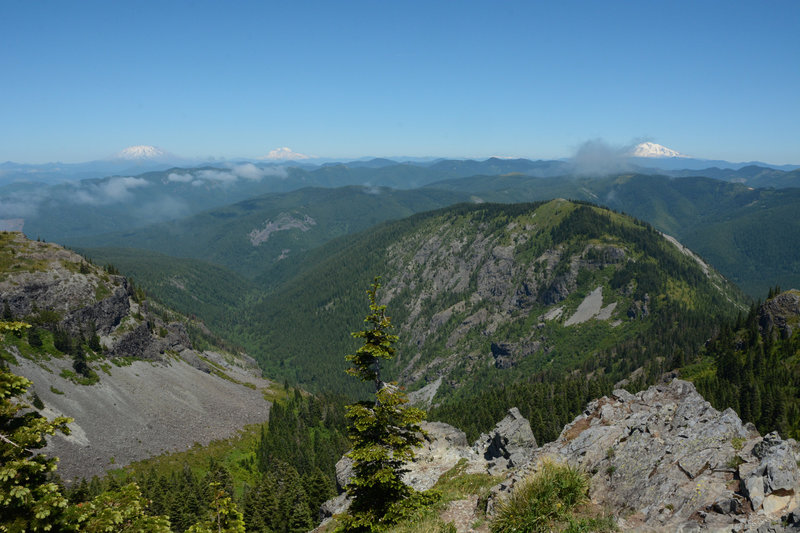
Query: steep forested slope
x,y
750,235
491,295
753,365
189,286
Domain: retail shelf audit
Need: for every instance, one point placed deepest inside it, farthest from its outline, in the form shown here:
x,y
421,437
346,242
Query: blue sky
x,y
83,80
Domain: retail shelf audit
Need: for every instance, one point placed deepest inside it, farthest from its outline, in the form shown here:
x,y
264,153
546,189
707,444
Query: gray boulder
x,y
771,479
510,444
344,471
781,313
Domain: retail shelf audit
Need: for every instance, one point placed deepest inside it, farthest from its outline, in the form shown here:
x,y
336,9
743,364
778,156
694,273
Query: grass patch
x,y
23,349
236,454
55,390
7,356
123,360
456,484
101,292
703,369
274,393
91,379
551,500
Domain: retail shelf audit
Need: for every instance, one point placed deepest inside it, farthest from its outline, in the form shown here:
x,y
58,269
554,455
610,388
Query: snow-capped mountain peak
x,y
285,154
648,149
141,152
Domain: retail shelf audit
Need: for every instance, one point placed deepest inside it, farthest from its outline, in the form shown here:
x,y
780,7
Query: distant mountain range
x,y
646,157
711,210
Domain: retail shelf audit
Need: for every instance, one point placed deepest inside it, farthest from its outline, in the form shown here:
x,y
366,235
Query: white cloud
x,y
219,176
15,205
180,178
108,191
599,158
249,171
246,171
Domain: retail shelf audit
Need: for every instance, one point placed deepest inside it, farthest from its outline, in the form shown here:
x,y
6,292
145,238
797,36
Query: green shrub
x,y
543,501
35,337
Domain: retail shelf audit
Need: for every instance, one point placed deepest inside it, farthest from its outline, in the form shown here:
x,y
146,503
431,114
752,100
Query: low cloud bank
x,y
28,202
598,157
110,191
245,171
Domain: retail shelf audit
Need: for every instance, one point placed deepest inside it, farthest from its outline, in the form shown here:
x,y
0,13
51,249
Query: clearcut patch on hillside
x,y
284,222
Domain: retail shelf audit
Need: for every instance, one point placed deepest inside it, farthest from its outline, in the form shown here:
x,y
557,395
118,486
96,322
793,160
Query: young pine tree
x,y
29,501
384,433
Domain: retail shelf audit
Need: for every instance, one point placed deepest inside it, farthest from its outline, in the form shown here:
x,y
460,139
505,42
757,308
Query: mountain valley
x,y
542,306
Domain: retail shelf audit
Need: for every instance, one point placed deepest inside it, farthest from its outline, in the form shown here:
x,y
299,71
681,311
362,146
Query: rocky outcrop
x,y
665,460
639,308
99,317
48,277
138,343
443,448
508,445
84,300
780,314
133,409
508,354
660,460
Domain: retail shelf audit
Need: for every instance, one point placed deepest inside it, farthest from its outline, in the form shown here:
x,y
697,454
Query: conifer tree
x,y
30,502
384,433
224,517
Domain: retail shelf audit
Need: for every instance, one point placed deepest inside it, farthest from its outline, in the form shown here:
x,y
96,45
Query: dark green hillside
x,y
488,294
752,236
753,366
251,236
189,286
752,175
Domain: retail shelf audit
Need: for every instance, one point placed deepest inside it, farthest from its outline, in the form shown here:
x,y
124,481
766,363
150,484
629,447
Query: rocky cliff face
x,y
155,392
781,314
521,283
660,460
59,289
40,276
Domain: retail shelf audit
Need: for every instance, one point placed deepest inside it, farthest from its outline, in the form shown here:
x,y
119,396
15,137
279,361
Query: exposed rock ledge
x,y
665,460
660,460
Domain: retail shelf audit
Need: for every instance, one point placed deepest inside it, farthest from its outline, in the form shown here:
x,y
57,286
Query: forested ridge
x,y
672,316
290,466
755,370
